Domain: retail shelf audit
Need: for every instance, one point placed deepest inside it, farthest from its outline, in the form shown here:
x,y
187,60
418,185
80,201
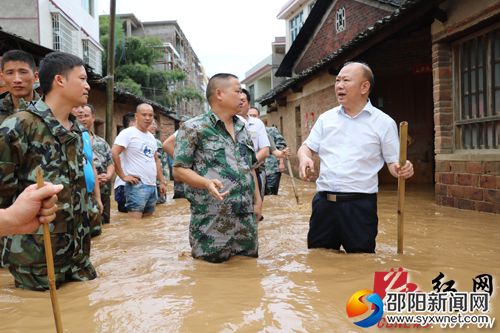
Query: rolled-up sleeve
x,y
390,144
185,147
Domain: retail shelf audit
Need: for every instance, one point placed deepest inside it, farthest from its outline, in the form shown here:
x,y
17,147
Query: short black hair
x,y
18,55
255,108
215,81
56,63
246,94
127,118
91,107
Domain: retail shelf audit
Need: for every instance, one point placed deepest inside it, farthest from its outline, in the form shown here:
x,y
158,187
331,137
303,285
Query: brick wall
x,y
464,179
442,87
358,16
473,185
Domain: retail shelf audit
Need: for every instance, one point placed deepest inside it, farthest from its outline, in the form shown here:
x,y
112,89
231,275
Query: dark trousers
x,y
106,202
351,224
273,183
120,198
261,181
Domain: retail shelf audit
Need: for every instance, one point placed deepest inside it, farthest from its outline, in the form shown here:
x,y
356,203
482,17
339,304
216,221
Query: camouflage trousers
x,y
95,219
24,255
216,238
25,277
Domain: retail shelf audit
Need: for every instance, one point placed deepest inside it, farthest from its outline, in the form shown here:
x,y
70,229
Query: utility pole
x,y
110,82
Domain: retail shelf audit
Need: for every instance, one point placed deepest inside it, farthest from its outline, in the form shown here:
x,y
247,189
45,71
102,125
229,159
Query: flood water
x,y
148,281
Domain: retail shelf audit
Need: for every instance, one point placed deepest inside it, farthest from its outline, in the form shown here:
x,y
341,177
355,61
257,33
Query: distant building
x,y
295,13
177,54
260,78
436,65
62,25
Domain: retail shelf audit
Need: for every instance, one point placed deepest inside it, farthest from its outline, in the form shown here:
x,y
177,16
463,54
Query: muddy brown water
x,y
148,281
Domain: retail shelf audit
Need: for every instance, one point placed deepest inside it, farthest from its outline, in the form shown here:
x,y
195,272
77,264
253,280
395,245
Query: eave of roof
x,y
306,32
23,44
399,14
121,95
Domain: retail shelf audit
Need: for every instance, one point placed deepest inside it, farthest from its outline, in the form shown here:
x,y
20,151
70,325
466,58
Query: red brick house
x,y
436,65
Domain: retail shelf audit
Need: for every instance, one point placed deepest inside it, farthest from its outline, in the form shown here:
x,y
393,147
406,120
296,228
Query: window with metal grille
x,y
295,25
62,34
477,68
340,23
92,55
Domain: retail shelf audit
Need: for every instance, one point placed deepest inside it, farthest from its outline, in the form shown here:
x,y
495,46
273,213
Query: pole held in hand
x,y
403,140
50,262
289,165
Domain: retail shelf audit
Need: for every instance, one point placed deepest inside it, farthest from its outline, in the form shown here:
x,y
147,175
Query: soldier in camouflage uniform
x,y
214,157
274,167
275,162
103,163
17,69
168,147
19,74
47,135
162,155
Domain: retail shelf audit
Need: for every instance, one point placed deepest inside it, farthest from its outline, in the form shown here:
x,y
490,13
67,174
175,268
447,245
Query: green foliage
x,y
175,76
138,50
138,72
134,72
104,37
190,94
130,85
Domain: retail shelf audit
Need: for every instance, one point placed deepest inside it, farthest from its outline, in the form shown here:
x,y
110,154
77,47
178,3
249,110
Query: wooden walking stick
x,y
403,140
50,262
289,165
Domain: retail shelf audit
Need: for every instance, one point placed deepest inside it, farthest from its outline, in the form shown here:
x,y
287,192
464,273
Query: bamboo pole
x,y
289,165
403,140
50,262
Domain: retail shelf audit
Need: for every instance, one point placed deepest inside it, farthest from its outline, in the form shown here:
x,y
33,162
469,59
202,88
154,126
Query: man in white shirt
x,y
352,140
141,165
260,140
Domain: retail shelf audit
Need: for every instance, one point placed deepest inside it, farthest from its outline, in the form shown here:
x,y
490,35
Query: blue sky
x,y
226,35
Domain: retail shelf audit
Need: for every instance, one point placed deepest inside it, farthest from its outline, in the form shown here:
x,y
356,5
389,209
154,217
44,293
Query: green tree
x,y
134,72
129,85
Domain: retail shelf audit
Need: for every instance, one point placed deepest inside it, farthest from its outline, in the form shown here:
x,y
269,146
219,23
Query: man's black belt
x,y
344,196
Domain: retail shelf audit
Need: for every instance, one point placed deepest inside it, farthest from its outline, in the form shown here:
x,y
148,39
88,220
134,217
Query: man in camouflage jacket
x,y
47,135
214,157
17,69
274,166
103,164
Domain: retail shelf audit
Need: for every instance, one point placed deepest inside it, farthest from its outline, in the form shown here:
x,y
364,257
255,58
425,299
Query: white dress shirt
x,y
352,150
257,131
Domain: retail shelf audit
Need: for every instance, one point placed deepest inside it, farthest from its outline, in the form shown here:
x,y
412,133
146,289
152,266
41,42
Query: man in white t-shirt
x,y
141,165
